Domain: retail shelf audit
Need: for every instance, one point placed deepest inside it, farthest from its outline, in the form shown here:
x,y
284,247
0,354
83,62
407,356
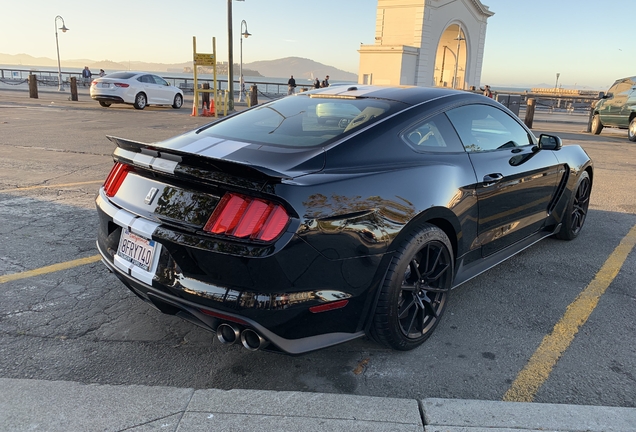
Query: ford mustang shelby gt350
x,y
291,231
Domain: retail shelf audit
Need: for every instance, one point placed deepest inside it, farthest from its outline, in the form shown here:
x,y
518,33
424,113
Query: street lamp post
x,y
459,40
441,78
230,52
245,35
57,44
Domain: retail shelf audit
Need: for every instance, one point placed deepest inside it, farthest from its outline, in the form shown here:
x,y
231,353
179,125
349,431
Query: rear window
x,y
122,75
302,121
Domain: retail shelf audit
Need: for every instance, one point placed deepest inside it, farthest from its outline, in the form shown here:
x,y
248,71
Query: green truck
x,y
617,108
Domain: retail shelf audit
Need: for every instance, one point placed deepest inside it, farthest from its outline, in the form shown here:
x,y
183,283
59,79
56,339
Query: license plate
x,y
105,85
136,250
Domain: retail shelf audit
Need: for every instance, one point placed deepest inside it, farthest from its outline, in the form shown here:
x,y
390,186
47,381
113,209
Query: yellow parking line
x,y
540,365
51,186
49,269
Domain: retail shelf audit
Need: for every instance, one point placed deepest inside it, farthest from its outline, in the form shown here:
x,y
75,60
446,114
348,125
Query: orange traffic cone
x,y
205,112
212,109
194,109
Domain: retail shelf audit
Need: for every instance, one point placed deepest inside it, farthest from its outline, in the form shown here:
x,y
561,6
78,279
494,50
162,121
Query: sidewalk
x,y
35,405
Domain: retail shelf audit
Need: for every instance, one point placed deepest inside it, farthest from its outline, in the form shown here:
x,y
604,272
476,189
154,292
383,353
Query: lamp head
x,y
64,28
246,34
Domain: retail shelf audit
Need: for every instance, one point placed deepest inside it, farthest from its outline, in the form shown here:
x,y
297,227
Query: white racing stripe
x,y
201,144
223,149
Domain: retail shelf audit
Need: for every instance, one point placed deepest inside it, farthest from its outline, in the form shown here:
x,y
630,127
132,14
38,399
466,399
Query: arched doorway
x,y
450,60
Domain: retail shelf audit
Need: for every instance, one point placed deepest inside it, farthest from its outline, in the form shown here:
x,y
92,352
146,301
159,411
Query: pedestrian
x,y
325,82
86,76
317,83
102,73
487,91
291,86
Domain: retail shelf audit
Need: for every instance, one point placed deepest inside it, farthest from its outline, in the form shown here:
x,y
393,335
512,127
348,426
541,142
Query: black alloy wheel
x,y
631,130
597,126
104,104
140,101
577,209
415,291
178,101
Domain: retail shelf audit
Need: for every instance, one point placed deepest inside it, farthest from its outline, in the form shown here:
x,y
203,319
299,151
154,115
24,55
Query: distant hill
x,y
300,68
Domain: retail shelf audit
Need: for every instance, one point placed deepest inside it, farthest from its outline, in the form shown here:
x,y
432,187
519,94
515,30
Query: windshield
x,y
302,121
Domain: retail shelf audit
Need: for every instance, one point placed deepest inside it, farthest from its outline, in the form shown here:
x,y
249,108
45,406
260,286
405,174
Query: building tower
x,y
426,43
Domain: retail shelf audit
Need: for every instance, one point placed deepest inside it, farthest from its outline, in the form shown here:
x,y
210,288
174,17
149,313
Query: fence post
x,y
33,86
529,112
253,95
74,89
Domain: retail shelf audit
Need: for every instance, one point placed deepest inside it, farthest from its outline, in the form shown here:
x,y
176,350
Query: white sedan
x,y
139,89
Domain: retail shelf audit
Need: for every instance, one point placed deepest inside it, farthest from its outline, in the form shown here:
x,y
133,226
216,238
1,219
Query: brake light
x,y
94,83
123,85
245,217
116,177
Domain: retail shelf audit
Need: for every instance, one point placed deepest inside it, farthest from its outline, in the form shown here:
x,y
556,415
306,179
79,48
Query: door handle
x,y
490,179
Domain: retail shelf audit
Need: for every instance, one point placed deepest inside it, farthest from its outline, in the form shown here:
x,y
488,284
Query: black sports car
x,y
321,217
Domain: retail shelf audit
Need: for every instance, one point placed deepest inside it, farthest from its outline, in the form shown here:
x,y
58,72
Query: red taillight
x,y
116,178
123,85
94,83
244,217
328,306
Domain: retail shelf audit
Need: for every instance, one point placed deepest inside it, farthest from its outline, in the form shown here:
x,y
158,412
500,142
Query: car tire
x,y
140,101
631,130
104,104
415,291
178,101
576,211
597,126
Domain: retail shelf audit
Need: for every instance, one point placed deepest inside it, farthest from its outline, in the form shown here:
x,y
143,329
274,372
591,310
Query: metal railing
x,y
270,90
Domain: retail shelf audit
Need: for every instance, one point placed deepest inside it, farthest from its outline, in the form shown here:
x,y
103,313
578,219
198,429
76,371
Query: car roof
x,y
406,94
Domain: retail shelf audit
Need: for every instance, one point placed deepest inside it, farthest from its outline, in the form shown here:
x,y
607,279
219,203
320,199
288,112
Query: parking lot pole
x,y
33,86
74,89
529,112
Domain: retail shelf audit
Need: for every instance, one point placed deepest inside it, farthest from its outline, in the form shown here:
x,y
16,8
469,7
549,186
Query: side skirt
x,y
477,267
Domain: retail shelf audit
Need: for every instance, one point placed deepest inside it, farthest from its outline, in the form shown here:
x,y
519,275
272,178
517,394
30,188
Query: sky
x,y
527,42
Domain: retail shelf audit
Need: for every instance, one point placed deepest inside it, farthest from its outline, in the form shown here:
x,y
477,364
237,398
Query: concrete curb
x,y
37,405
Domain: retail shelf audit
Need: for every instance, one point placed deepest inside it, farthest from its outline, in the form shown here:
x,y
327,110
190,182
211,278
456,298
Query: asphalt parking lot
x,y
64,317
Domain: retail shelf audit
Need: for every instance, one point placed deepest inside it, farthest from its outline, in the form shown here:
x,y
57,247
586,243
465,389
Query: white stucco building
x,y
426,43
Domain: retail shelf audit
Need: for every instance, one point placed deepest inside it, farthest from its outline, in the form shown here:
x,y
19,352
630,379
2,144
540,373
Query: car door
x,y
150,88
628,105
611,111
515,181
164,91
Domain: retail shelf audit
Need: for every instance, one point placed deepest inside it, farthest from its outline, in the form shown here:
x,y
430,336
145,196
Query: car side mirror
x,y
601,95
549,142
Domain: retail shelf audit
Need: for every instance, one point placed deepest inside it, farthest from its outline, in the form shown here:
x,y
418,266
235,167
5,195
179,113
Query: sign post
x,y
203,59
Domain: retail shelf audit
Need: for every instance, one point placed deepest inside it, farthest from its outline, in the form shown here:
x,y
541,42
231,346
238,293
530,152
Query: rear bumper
x,y
108,98
185,283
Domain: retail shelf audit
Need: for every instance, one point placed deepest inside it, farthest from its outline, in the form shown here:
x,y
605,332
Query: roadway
x,y
77,322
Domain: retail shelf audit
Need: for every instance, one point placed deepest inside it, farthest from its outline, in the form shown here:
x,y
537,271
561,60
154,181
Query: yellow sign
x,y
203,59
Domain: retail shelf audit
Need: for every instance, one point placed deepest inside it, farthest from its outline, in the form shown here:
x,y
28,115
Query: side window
x,y
146,79
622,87
485,128
159,80
433,135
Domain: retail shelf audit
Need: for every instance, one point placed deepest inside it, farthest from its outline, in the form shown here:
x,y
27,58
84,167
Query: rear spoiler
x,y
165,160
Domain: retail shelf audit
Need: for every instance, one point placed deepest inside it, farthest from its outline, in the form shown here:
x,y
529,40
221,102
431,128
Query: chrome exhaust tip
x,y
252,340
227,333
